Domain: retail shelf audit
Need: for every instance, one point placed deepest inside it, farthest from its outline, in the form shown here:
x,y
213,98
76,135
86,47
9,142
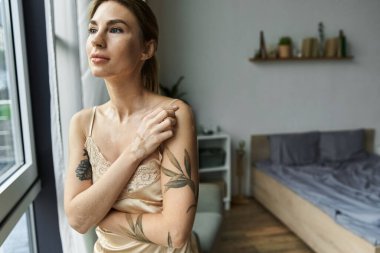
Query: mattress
x,y
348,192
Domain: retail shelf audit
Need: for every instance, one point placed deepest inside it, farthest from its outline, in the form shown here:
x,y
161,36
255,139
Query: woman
x,y
132,161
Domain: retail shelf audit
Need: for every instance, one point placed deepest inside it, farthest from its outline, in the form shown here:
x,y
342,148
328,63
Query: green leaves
x,y
169,173
137,229
176,180
177,183
187,163
173,91
173,160
179,180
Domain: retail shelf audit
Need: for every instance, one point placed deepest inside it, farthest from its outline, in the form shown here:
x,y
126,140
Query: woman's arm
x,y
86,204
179,179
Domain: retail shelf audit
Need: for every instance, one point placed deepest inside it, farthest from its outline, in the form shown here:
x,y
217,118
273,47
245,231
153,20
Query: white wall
x,y
210,41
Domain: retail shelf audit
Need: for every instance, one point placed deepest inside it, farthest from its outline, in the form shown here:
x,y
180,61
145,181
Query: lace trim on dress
x,y
145,174
98,162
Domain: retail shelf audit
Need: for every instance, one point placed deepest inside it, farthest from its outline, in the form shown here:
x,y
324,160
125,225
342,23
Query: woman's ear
x,y
149,50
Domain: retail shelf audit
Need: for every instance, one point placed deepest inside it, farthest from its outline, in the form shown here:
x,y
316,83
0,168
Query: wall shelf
x,y
255,60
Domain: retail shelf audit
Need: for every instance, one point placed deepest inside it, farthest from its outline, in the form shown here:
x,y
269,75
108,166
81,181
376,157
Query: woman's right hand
x,y
155,128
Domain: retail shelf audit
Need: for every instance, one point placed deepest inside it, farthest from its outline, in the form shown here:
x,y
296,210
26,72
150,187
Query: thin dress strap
x,y
171,102
92,121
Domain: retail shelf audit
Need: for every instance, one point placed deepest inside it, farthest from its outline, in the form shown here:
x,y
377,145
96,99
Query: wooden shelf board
x,y
252,59
212,136
212,169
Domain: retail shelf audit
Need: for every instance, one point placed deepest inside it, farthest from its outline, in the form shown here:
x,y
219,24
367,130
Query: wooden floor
x,y
251,228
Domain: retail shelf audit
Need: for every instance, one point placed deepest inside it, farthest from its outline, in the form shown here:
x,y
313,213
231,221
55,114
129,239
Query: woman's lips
x,y
99,59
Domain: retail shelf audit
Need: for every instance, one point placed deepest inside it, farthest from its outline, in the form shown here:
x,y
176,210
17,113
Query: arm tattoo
x,y
180,179
84,170
136,232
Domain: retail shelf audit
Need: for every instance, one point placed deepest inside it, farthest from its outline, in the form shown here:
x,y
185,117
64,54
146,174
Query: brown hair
x,y
149,30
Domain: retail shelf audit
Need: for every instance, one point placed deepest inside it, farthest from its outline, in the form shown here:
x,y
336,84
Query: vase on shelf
x,y
263,50
342,49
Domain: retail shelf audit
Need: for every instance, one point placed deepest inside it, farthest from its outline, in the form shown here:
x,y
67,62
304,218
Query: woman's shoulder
x,y
82,115
186,125
184,113
167,101
81,120
184,109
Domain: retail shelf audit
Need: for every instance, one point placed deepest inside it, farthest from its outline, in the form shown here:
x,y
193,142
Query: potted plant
x,y
173,91
285,47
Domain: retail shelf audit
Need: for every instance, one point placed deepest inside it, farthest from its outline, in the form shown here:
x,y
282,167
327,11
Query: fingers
x,y
159,114
162,115
156,127
163,136
145,146
165,125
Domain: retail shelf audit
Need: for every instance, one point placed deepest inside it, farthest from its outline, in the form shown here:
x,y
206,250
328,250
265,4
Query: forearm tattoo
x,y
177,180
137,231
84,170
180,179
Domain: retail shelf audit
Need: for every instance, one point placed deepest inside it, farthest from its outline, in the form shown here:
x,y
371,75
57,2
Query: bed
x,y
324,229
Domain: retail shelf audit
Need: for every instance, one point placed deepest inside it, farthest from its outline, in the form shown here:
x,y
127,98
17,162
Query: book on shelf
x,y
331,47
310,47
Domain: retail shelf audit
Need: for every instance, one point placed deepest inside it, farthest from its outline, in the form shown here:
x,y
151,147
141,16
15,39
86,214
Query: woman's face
x,y
114,44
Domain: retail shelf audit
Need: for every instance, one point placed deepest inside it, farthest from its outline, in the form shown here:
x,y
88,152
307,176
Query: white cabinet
x,y
215,162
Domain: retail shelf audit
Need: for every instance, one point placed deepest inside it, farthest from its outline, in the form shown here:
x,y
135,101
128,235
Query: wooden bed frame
x,y
312,225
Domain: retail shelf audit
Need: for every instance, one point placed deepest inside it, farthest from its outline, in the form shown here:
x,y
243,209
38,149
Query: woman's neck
x,y
126,97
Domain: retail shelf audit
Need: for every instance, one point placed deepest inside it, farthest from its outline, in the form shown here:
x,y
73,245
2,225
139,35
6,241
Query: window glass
x,y
18,241
19,183
10,133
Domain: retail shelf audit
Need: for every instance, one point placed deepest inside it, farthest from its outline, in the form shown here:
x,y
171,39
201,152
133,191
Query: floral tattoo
x,y
84,170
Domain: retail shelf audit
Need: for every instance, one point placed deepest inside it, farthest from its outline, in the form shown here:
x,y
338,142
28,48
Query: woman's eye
x,y
116,30
91,30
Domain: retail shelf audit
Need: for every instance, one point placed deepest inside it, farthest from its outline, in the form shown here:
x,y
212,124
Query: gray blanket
x,y
348,192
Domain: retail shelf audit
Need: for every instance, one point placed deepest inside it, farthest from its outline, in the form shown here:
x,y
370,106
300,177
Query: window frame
x,y
19,190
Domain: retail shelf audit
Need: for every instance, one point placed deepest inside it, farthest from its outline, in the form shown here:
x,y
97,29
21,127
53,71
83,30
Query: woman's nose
x,y
98,41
